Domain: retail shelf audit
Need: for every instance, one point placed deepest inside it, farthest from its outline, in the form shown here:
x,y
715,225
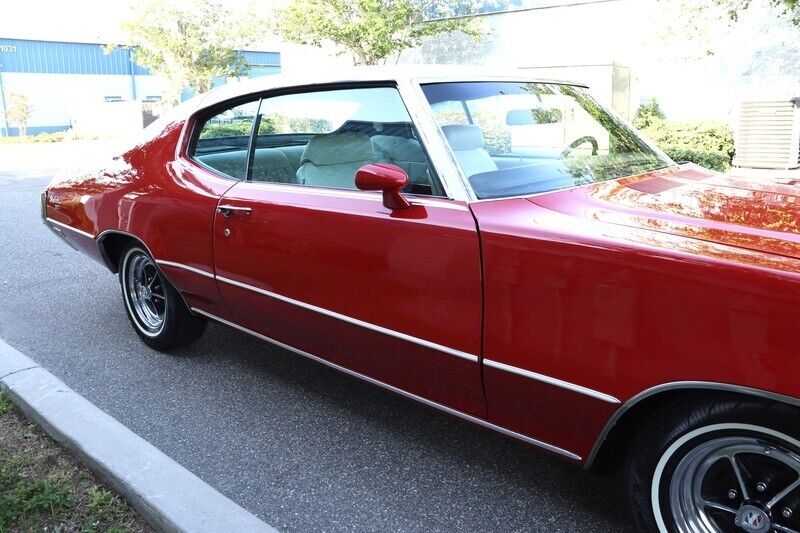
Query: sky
x,y
80,20
751,58
75,20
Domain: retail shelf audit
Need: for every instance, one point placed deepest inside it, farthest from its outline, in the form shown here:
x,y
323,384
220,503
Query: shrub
x,y
704,158
708,144
648,113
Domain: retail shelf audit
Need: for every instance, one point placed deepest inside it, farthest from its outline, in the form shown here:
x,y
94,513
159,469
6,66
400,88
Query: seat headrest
x,y
463,137
338,148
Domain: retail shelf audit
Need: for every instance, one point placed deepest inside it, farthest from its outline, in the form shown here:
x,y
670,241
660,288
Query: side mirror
x,y
385,177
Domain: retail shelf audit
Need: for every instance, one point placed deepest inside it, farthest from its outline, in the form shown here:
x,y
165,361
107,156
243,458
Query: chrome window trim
x,y
356,194
185,267
586,391
392,388
68,227
344,318
441,156
682,385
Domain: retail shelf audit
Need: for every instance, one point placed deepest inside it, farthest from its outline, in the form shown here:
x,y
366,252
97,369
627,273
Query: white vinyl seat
x,y
332,160
405,153
467,145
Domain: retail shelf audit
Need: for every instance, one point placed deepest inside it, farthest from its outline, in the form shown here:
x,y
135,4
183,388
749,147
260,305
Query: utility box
x,y
768,134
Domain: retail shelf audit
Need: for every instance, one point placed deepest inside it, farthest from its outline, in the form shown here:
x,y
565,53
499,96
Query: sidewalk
x,y
164,493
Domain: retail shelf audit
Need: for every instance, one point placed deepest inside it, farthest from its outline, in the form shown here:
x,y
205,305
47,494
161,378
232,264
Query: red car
x,y
502,249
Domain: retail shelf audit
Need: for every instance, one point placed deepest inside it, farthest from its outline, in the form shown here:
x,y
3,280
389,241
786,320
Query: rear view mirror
x,y
385,177
527,117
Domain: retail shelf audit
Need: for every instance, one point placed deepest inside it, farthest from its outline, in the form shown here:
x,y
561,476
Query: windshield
x,y
517,138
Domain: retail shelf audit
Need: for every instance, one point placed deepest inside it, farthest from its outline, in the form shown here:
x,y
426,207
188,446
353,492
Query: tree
x,y
18,111
648,113
190,42
788,8
372,30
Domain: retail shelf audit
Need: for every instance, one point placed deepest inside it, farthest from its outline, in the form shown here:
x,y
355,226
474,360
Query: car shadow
x,y
506,465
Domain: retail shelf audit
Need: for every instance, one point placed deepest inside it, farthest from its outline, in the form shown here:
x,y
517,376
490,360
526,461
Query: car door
x,y
305,259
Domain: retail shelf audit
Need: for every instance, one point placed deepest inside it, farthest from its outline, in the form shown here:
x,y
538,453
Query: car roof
x,y
396,73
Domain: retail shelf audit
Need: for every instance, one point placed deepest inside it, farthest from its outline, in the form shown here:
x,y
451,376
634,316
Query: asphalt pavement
x,y
299,445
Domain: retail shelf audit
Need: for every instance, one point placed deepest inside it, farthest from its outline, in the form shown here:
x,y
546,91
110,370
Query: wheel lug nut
x,y
761,486
732,494
787,513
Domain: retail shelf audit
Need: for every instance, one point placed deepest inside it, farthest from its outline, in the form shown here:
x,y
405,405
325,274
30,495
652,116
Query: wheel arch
x,y
611,446
110,243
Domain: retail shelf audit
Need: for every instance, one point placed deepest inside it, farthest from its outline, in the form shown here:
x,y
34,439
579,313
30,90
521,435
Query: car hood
x,y
761,215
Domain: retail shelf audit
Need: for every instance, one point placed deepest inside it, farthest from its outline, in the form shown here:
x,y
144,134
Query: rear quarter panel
x,y
154,194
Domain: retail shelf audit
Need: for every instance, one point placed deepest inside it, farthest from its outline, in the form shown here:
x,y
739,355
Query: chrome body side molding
x,y
185,267
551,381
70,228
682,385
429,403
344,318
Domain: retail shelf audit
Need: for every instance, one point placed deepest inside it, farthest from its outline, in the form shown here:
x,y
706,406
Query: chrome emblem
x,y
752,519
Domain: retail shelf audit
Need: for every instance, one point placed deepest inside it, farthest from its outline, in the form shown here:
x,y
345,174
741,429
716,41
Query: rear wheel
x,y
155,309
718,466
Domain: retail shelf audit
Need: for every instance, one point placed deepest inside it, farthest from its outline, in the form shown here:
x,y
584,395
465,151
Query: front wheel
x,y
154,307
717,466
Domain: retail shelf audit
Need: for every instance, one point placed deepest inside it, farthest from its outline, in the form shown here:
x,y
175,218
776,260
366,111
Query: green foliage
x,y
104,507
270,124
273,123
5,404
239,128
22,498
370,30
18,111
705,158
708,144
705,136
648,113
190,43
788,8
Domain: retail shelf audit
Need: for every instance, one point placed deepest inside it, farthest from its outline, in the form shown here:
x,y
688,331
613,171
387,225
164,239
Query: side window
x,y
322,138
224,139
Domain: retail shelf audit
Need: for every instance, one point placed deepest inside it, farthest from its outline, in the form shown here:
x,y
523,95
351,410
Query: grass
x,y
43,488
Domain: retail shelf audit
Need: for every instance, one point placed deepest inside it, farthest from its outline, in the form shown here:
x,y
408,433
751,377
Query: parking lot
x,y
298,444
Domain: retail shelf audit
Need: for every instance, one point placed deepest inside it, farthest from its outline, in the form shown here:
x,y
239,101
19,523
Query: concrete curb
x,y
163,492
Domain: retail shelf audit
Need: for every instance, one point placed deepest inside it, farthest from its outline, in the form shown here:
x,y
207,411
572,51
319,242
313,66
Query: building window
x,y
112,98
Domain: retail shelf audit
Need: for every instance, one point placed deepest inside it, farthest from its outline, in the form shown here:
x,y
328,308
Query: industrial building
x,y
63,80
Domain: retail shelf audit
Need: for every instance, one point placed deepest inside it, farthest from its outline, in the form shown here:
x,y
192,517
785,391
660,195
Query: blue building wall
x,y
52,62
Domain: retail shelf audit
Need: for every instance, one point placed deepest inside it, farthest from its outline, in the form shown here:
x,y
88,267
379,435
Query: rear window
x,y
224,139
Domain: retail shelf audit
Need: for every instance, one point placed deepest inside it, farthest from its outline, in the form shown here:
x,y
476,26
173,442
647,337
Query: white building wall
x,y
57,98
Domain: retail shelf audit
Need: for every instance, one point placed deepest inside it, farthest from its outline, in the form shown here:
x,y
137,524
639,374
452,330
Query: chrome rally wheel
x,y
144,290
717,463
749,481
154,307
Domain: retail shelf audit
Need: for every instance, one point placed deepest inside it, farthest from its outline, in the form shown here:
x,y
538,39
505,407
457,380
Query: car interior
x,y
521,138
326,159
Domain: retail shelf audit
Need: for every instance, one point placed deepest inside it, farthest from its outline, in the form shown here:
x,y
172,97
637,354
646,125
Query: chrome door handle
x,y
230,210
